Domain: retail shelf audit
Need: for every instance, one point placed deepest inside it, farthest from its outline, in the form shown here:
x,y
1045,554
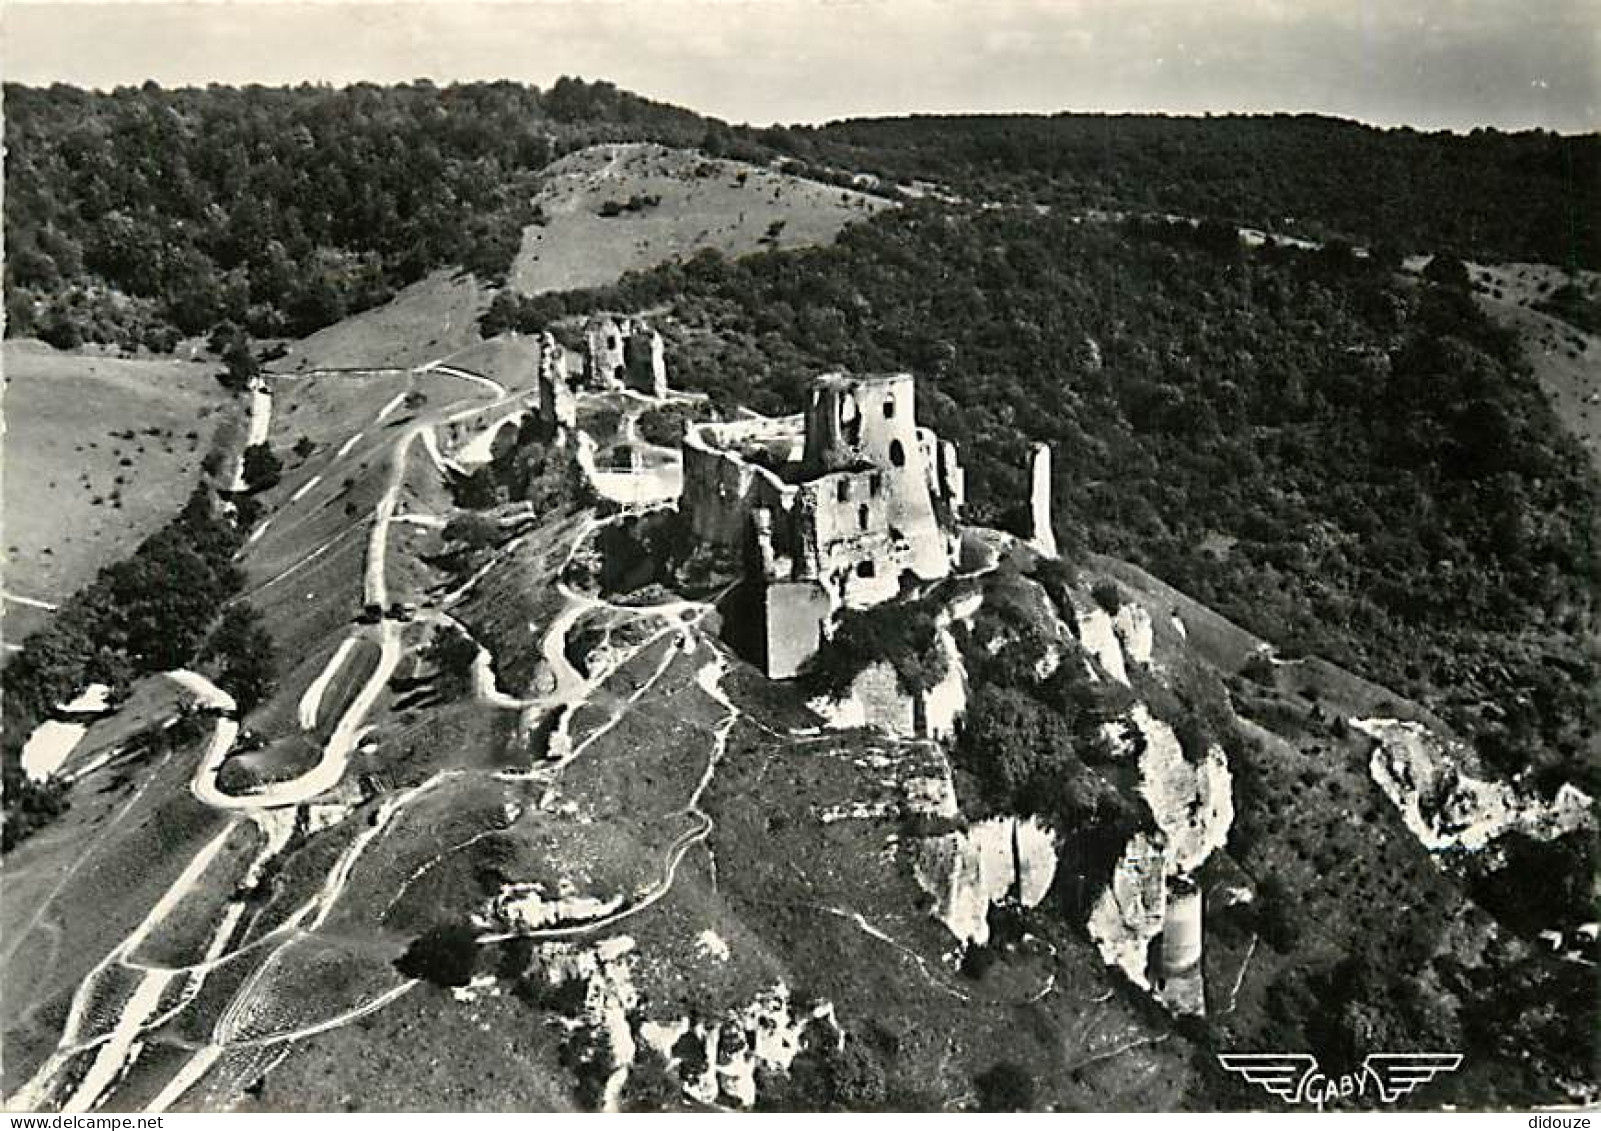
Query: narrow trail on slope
x,y
117,1047
120,1044
330,768
311,699
256,431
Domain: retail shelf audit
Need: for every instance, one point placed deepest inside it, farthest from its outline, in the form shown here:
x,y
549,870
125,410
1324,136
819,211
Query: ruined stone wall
x,y
557,407
645,362
795,615
871,526
605,362
876,499
1181,932
721,490
853,421
846,539
1041,534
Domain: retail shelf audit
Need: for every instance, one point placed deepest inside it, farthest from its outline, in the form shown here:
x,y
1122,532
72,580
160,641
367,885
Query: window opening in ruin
x,y
889,409
613,342
897,454
865,569
875,484
843,490
850,420
861,516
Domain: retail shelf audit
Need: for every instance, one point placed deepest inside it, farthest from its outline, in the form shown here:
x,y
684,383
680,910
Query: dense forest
x,y
141,216
1528,195
1348,461
166,606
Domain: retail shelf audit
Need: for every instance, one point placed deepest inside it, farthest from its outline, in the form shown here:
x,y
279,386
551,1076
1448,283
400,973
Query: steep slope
x,y
99,451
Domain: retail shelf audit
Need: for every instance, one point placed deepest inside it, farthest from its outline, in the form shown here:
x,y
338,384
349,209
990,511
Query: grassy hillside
x,y
694,202
144,215
99,452
424,322
1565,356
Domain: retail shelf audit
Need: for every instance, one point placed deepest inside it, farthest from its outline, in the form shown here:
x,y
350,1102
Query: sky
x,y
1430,64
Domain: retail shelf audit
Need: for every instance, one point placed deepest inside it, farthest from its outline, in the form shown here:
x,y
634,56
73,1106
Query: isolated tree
x,y
1448,271
445,955
1007,1086
452,654
241,364
262,467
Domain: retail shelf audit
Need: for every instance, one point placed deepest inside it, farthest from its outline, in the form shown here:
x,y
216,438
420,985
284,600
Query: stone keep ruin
x,y
624,353
833,508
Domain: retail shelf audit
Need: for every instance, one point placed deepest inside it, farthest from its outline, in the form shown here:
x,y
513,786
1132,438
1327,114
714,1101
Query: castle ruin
x,y
833,508
558,410
624,353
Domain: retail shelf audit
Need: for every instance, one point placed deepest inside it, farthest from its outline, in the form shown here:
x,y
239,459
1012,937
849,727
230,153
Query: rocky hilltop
x,y
628,757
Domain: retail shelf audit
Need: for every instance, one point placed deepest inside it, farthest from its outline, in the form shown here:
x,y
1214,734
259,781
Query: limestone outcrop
x,y
1097,634
876,699
1130,912
1448,810
714,1060
1152,891
988,863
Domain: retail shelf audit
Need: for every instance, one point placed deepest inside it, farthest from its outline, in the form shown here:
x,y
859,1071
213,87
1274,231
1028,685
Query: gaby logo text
x,y
1295,1078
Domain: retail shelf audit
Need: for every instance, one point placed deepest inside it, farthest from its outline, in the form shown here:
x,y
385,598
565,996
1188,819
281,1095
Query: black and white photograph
x,y
759,556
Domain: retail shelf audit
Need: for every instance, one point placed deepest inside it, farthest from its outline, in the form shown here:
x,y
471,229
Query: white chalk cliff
x,y
1449,811
970,871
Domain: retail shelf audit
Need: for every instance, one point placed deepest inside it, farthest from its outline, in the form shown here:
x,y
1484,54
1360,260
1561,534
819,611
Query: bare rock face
x,y
1130,912
877,700
606,970
1193,804
1134,630
1447,810
764,1035
988,863
1097,633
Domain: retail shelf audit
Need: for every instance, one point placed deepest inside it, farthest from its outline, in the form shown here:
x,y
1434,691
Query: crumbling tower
x,y
645,362
854,422
1041,534
624,353
868,482
557,408
604,361
1182,987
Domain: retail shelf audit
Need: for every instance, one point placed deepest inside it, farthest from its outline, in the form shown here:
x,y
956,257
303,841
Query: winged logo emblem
x,y
1283,1074
1398,1073
1294,1077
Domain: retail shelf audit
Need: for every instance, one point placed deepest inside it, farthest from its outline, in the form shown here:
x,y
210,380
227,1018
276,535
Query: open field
x,y
99,452
703,203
